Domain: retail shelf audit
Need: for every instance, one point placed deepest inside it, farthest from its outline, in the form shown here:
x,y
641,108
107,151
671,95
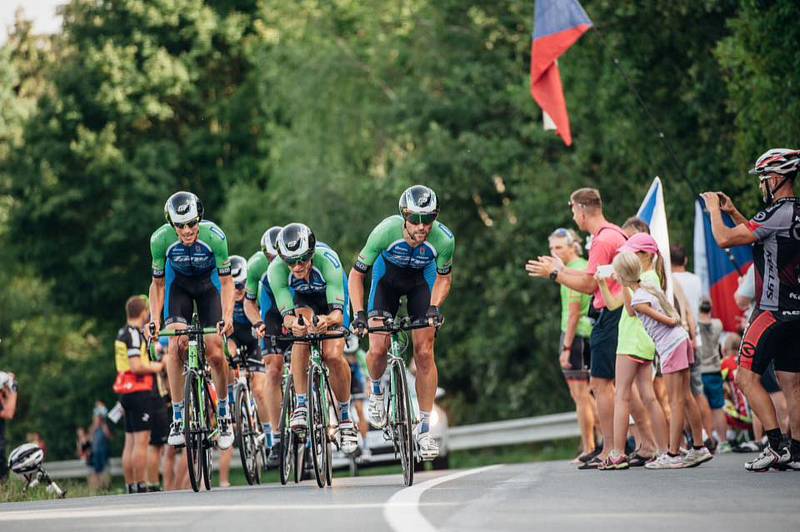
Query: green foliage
x,y
323,112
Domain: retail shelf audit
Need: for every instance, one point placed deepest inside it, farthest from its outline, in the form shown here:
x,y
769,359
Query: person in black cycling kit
x,y
773,333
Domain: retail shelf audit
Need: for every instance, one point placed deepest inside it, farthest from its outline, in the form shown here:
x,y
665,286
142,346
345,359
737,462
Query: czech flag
x,y
557,25
719,271
654,212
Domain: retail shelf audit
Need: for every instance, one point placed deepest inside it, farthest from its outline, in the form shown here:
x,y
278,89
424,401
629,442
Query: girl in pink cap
x,y
663,323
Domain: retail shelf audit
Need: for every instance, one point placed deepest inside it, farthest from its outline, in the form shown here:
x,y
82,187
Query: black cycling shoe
x,y
274,458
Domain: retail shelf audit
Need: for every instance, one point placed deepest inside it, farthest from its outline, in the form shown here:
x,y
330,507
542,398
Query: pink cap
x,y
640,242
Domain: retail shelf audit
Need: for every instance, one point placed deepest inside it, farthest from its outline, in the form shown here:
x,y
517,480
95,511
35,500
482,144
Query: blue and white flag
x,y
654,212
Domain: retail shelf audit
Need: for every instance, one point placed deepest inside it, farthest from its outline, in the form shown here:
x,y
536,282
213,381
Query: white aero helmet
x,y
418,204
296,243
182,208
269,241
238,269
26,458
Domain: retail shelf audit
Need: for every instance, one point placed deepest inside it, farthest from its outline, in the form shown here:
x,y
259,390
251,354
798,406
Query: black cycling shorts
x,y
247,344
182,293
160,418
318,303
274,325
768,339
580,359
137,407
390,283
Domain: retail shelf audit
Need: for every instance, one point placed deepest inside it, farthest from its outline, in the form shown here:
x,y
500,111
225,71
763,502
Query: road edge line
x,y
402,511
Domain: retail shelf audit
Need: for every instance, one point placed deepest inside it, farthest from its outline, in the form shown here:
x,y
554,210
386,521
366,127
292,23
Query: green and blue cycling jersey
x,y
327,284
209,251
257,288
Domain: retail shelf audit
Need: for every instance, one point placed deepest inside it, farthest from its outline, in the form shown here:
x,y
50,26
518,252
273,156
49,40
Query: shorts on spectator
x,y
580,359
159,427
696,380
681,358
712,387
137,407
604,344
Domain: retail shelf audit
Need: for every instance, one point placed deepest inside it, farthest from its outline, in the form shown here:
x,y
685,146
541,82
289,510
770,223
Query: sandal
x,y
638,460
594,463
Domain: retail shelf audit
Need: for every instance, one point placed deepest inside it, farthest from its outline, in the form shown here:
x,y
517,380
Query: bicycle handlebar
x,y
402,324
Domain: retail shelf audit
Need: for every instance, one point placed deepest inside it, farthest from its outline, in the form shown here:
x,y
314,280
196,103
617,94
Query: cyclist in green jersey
x,y
191,267
307,280
411,255
262,311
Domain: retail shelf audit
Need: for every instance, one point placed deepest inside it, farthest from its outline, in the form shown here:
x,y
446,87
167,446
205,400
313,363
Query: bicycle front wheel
x,y
287,446
209,414
192,432
316,424
246,436
401,423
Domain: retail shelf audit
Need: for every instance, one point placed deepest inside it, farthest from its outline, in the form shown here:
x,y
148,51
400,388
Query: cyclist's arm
x,y
156,298
228,297
441,289
376,243
159,263
219,245
251,310
278,278
355,283
334,289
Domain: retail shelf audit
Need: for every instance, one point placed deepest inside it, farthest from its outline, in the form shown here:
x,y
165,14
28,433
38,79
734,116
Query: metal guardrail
x,y
494,434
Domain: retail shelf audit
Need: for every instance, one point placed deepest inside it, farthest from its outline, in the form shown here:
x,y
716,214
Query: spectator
x,y
159,422
587,212
709,331
100,477
8,407
634,366
576,327
774,330
134,384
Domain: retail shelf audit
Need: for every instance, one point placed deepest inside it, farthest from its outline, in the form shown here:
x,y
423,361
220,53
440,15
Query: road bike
x,y
401,416
248,431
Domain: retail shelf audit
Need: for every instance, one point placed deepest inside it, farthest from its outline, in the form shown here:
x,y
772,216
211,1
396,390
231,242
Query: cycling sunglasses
x,y
292,261
190,225
417,219
239,286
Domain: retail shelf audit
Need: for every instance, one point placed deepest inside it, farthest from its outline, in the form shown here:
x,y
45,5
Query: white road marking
x,y
88,513
402,509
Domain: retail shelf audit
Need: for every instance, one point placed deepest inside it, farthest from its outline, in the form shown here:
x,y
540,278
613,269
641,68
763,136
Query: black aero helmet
x,y
26,458
418,204
183,208
269,241
296,243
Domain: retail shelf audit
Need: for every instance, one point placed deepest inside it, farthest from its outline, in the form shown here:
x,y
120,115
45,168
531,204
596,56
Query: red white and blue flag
x,y
557,25
719,271
654,212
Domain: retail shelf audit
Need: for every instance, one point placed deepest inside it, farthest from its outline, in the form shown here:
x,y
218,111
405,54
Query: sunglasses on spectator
x,y
189,225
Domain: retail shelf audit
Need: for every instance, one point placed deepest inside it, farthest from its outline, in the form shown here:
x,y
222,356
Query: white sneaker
x,y
665,461
695,457
225,433
176,434
349,437
376,410
769,457
299,421
428,448
366,455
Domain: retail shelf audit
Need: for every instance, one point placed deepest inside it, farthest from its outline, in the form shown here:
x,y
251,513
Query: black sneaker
x,y
711,445
274,458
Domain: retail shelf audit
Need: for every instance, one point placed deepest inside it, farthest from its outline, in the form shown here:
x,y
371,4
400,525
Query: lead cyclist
x,y
411,255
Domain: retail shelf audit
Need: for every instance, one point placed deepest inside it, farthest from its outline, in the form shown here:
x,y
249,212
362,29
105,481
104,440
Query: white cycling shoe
x,y
427,447
299,422
376,410
225,440
348,437
176,434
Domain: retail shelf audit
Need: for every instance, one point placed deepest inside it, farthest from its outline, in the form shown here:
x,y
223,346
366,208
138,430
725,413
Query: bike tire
x,y
401,425
328,445
245,438
316,429
205,436
191,424
287,446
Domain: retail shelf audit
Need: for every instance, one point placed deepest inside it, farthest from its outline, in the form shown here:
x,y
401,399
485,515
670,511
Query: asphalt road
x,y
718,495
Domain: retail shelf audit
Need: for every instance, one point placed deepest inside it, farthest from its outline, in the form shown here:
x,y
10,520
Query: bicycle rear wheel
x,y
191,430
316,424
328,445
246,436
287,436
401,425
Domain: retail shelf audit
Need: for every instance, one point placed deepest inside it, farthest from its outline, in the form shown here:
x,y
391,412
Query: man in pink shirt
x,y
587,212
